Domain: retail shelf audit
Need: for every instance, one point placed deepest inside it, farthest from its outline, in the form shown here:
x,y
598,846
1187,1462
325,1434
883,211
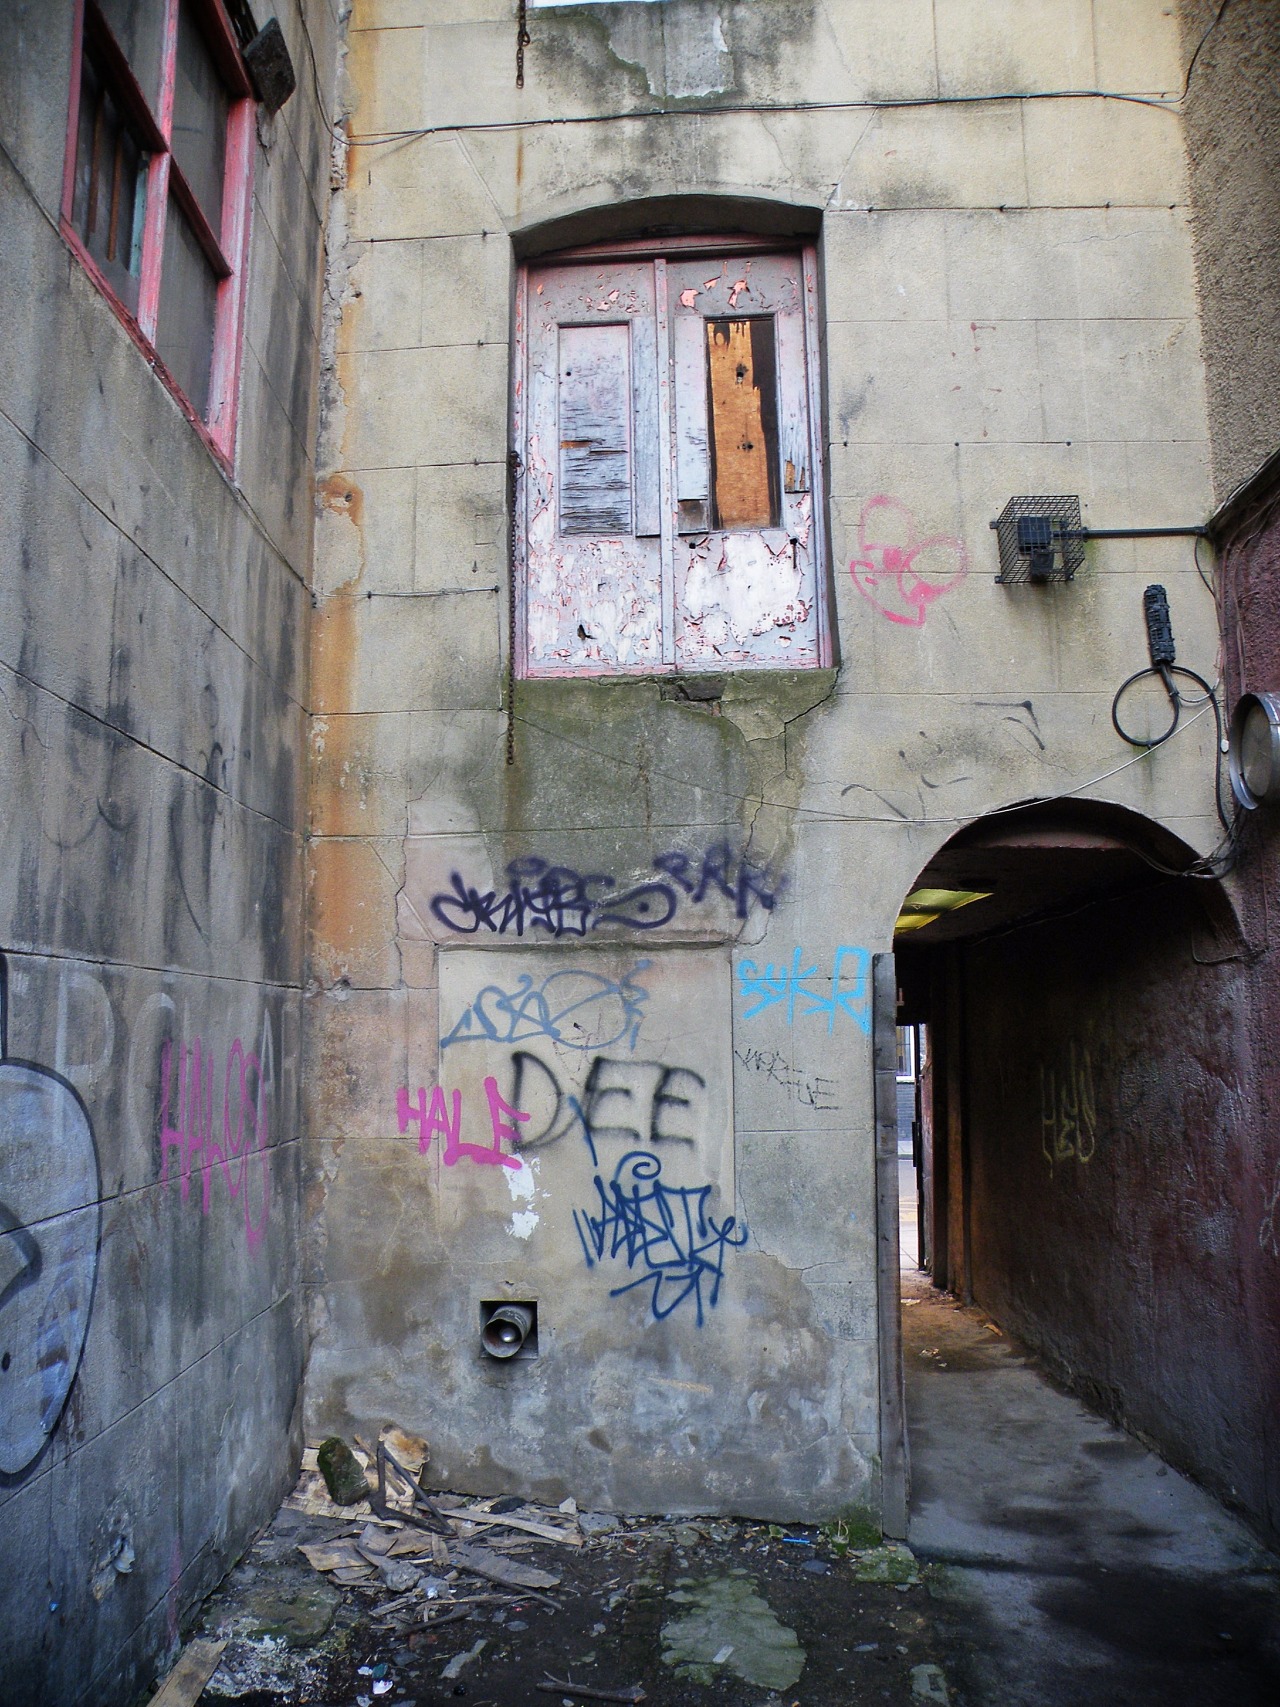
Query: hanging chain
x,y
523,38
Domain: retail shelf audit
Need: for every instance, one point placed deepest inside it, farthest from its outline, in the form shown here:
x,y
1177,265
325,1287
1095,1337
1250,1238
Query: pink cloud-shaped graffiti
x,y
896,572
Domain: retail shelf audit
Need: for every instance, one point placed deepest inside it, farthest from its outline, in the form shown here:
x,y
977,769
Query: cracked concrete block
x,y
357,773
935,157
466,290
424,187
356,1060
1121,379
382,303
934,381
1138,50
1064,264
460,526
388,76
397,426
885,266
351,889
1090,154
989,47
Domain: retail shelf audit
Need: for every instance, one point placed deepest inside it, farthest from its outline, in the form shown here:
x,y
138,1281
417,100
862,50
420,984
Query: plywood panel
x,y
595,429
744,422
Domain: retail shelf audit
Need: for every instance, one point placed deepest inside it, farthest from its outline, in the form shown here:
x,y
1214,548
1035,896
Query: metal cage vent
x,y
1040,539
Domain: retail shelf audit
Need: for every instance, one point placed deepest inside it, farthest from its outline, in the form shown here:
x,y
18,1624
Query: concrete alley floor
x,y
1068,1566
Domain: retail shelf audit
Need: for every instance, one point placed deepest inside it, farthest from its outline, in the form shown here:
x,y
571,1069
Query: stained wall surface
x,y
153,640
1122,1215
1007,306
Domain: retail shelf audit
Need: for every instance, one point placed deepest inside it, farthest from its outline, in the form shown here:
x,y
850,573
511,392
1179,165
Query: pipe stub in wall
x,y
507,1329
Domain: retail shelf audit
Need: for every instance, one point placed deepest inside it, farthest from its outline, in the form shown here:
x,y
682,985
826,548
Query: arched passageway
x,y
1079,1108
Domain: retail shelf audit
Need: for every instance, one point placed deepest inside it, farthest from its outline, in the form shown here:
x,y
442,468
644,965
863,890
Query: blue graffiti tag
x,y
578,1009
664,1230
789,985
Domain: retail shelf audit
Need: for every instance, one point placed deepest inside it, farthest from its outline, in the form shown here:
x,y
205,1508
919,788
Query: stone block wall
x,y
1008,307
153,656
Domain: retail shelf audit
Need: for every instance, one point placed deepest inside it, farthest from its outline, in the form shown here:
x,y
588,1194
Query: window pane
x,y
188,297
138,28
200,109
742,392
110,186
595,429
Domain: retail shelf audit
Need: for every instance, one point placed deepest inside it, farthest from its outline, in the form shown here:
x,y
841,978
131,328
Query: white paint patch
x,y
522,1182
522,1223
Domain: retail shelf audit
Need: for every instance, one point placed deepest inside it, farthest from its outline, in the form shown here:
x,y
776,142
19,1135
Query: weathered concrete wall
x,y
153,641
1233,148
1123,1215
1009,308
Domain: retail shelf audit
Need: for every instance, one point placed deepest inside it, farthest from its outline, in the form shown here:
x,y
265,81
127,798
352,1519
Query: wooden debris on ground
x,y
587,1692
418,1545
185,1683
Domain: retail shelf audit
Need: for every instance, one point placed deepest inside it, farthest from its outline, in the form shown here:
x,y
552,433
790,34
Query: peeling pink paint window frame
x,y
217,425
673,250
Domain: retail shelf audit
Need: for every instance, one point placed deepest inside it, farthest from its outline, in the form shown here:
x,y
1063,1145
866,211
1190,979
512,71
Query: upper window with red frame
x,y
156,193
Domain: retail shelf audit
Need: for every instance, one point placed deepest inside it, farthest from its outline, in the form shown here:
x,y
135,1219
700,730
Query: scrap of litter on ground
x,y
397,1593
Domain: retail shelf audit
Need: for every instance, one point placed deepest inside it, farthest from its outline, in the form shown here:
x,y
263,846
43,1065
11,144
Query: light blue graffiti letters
x,y
664,1231
849,993
578,1009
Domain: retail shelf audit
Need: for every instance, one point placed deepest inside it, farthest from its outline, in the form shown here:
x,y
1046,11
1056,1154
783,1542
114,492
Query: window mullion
x,y
158,184
187,200
666,438
237,193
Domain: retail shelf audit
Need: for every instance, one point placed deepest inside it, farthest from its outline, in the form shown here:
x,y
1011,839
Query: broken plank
x,y
584,1691
548,1531
184,1684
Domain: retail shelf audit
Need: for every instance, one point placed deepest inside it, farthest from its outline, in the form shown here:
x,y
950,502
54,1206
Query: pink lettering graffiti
x,y
434,1120
246,1090
897,573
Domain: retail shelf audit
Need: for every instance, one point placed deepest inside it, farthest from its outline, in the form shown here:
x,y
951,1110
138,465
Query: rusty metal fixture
x,y
523,38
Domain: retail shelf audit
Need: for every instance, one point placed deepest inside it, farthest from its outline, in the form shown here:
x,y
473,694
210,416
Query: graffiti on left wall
x,y
50,1239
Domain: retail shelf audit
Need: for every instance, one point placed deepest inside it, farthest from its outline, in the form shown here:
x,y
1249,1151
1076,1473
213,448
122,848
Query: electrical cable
x,y
1160,644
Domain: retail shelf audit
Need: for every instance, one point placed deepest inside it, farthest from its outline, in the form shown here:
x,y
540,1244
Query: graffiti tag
x,y
897,572
563,902
790,986
578,1009
666,1232
1068,1109
811,1091
50,1231
248,1084
438,1120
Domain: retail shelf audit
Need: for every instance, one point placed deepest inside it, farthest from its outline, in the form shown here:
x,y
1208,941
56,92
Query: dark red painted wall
x,y
1123,1160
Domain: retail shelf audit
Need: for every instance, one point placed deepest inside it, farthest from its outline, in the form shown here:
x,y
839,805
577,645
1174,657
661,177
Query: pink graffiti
x,y
246,1089
896,572
436,1120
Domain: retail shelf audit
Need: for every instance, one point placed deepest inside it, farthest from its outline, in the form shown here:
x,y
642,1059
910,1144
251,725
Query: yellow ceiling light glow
x,y
923,906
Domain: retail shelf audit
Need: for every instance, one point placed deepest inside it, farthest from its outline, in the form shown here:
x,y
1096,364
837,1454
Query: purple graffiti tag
x,y
246,1091
436,1121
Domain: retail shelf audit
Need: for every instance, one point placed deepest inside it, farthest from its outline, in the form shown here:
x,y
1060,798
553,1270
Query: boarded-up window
x,y
668,508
